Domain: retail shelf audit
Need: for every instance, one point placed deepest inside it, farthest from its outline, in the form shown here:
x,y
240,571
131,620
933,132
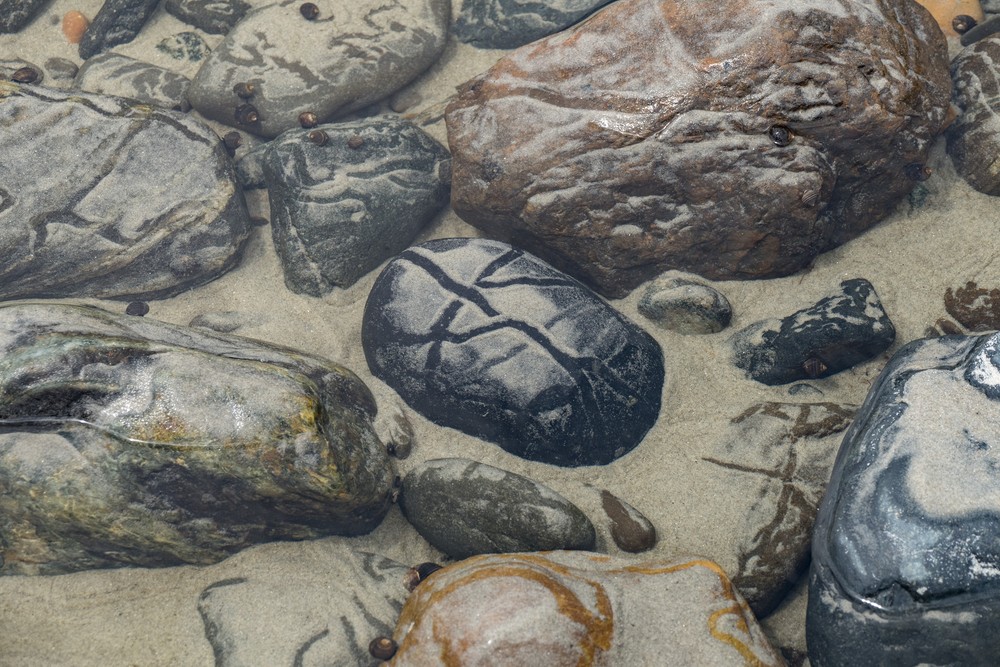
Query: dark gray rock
x,y
216,17
127,441
630,530
118,22
974,137
906,551
686,306
839,332
340,209
15,14
482,337
61,72
250,167
114,74
348,57
100,197
507,24
465,508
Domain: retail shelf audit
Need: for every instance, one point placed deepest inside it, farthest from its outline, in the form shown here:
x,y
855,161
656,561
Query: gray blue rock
x,y
479,336
685,305
115,74
117,22
15,14
216,17
906,550
349,56
465,508
343,205
153,210
507,24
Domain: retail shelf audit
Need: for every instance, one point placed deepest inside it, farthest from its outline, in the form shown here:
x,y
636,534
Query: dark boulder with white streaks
x,y
507,24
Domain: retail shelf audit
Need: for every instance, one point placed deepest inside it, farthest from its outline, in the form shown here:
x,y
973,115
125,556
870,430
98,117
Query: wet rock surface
x,y
686,306
117,22
507,24
127,441
487,339
15,14
213,16
114,74
974,137
760,156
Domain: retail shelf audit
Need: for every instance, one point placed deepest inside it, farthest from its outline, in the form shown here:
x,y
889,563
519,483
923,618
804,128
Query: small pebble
x,y
137,308
74,24
630,530
355,143
309,11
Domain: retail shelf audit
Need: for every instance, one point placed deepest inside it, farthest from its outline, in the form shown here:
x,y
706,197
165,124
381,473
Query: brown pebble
x,y
24,75
308,119
309,10
355,142
244,90
630,530
74,24
137,308
382,648
232,141
246,114
318,137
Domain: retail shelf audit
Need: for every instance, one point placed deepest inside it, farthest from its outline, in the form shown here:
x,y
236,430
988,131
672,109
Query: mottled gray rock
x,y
127,441
118,22
114,74
213,16
250,167
507,24
61,72
479,336
465,508
340,209
838,332
685,306
351,55
15,14
630,530
974,137
100,197
906,550
184,46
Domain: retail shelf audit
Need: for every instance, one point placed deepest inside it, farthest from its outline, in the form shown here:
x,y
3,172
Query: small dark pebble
x,y
984,29
355,142
232,141
137,308
963,23
24,75
244,90
309,11
246,114
382,648
308,119
780,135
259,222
318,137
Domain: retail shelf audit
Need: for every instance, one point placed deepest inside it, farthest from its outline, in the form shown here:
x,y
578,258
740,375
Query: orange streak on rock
x,y
74,24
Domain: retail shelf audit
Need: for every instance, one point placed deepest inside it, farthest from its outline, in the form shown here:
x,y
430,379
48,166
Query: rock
x,y
118,22
782,455
127,441
216,17
990,26
15,14
571,608
906,560
630,530
507,24
479,336
340,209
111,225
250,167
351,55
685,306
838,332
771,141
61,72
184,46
225,321
113,74
974,137
974,307
465,508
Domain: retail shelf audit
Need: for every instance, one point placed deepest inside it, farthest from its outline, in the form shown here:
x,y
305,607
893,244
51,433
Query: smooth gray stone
x,y
61,72
338,211
127,441
216,17
465,508
100,197
118,22
15,14
114,74
351,55
906,550
507,24
250,167
685,305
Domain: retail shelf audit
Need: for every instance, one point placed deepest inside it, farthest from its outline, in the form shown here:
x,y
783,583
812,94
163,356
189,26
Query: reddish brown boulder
x,y
736,143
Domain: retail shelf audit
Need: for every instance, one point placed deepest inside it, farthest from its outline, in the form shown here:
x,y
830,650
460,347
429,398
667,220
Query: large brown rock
x,y
738,142
974,139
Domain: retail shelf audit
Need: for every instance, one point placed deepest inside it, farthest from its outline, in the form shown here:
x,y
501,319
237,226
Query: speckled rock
x,y
465,508
117,22
906,551
974,137
216,17
482,337
771,140
127,441
630,530
185,45
15,14
507,24
571,608
114,74
686,306
350,55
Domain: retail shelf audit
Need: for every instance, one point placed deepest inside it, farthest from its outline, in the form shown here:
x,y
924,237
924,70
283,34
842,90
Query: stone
x,y
786,128
974,307
250,167
127,441
686,306
482,337
225,321
782,454
216,17
573,608
340,209
15,14
465,508
351,55
974,137
114,74
630,530
990,26
507,24
906,549
61,72
87,210
838,332
117,22
184,46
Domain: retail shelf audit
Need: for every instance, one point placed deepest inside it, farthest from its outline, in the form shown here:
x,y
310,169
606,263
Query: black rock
x,y
974,137
507,24
482,337
15,14
213,16
838,332
906,550
118,22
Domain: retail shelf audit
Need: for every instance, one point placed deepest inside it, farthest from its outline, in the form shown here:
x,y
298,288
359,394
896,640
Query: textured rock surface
x,y
506,24
685,306
479,336
213,16
974,138
465,508
630,530
906,551
128,441
975,308
351,55
15,14
118,22
112,225
566,608
772,140
341,209
840,331
114,74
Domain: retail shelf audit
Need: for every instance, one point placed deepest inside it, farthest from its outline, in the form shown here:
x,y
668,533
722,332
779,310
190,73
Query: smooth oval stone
x,y
630,530
479,336
115,74
685,306
465,508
